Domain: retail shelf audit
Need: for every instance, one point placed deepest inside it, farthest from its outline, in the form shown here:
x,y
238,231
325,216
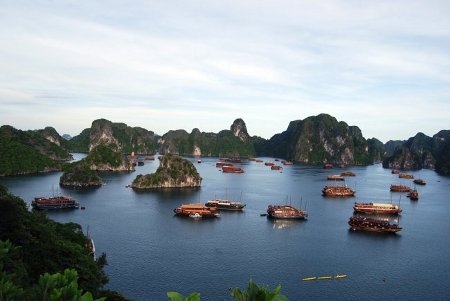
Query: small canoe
x,y
309,278
340,276
324,278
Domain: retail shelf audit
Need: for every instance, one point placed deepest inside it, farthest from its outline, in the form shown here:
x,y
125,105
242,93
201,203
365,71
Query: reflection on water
x,y
284,223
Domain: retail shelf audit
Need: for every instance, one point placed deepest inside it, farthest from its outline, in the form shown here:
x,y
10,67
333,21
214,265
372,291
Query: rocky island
x,y
102,158
80,176
173,172
26,152
234,142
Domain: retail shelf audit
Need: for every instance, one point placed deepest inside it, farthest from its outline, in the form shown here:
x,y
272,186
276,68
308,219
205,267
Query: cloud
x,y
203,63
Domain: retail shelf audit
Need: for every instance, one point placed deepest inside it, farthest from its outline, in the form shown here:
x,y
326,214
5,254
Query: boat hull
x,y
285,216
369,229
38,207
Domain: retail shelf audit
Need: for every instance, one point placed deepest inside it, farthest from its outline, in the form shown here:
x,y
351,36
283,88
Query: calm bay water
x,y
151,252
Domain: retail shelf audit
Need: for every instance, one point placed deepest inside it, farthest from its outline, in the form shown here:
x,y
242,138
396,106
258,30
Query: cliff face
x,y
173,172
80,143
415,153
124,138
107,158
320,139
422,151
127,139
102,158
234,142
239,129
376,150
24,152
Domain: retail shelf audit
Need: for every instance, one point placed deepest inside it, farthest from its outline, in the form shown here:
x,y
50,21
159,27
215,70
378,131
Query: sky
x,y
383,66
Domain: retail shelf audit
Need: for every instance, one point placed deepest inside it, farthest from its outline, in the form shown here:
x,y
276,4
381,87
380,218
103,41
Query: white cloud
x,y
208,62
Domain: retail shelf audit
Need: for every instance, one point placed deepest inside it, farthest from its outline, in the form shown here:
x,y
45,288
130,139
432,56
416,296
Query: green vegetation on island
x,y
422,151
227,143
102,158
34,245
128,139
320,139
173,171
25,152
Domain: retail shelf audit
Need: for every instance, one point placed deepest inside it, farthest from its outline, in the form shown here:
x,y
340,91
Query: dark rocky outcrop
x,y
80,176
422,151
80,143
239,129
390,146
233,143
320,139
376,150
25,152
104,158
415,153
125,138
173,172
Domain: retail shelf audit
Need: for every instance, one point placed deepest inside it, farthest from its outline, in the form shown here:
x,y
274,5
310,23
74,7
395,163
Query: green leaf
x,y
174,296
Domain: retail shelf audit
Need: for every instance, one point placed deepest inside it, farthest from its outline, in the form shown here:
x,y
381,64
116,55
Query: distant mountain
x,y
390,146
422,151
235,142
24,152
125,138
319,139
376,150
66,137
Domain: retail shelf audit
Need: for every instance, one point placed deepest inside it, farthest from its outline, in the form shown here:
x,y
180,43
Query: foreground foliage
x,y
38,245
49,287
253,293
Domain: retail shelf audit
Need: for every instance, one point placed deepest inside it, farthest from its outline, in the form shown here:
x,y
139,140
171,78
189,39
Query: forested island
x,y
173,172
313,140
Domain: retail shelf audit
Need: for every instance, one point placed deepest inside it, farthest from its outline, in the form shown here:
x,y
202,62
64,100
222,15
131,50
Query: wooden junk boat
x,y
288,163
286,212
395,171
225,205
413,195
276,167
196,210
372,225
56,202
328,165
269,164
232,169
335,178
338,191
420,182
400,188
383,208
348,174
406,176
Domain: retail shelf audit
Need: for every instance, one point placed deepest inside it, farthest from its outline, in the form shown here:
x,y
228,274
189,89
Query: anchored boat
x,y
225,205
338,191
400,188
56,202
286,212
196,210
372,225
371,208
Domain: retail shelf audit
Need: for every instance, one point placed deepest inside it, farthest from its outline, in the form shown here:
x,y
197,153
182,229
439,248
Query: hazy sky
x,y
381,65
